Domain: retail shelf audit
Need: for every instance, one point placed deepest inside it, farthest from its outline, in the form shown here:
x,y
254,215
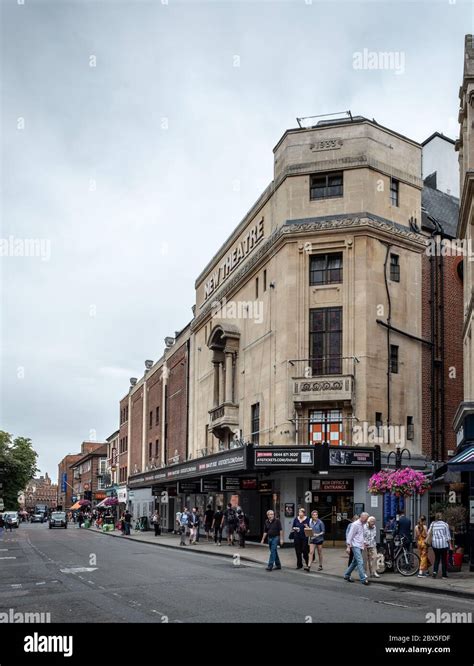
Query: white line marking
x,y
91,582
391,603
17,585
43,582
8,558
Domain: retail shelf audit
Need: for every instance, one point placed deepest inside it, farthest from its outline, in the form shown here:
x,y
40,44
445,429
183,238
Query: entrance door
x,y
336,511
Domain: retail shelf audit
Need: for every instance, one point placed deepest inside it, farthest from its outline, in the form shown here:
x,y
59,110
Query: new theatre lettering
x,y
234,258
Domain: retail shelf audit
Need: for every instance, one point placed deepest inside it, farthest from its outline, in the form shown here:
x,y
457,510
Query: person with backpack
x,y
183,525
242,527
231,523
217,525
2,524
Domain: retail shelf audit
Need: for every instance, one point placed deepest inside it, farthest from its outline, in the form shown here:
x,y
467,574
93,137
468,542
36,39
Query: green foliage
x,y
18,458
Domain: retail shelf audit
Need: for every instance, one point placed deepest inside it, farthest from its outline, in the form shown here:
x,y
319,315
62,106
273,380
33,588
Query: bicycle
x,y
394,555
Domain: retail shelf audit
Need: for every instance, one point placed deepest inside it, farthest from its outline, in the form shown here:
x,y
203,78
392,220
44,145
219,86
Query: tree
x,y
17,467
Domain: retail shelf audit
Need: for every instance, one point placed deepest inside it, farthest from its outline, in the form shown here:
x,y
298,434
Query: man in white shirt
x,y
355,542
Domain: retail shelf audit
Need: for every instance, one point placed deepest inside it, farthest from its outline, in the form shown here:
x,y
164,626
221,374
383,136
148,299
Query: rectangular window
x,y
326,185
265,280
150,450
325,268
410,428
157,416
325,341
394,358
325,427
255,423
379,423
157,448
256,287
394,191
395,268
150,420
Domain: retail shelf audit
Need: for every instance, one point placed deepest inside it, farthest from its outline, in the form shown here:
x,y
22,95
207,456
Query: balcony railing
x,y
322,378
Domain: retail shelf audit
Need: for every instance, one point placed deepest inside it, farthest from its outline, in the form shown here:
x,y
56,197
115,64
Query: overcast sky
x,y
135,136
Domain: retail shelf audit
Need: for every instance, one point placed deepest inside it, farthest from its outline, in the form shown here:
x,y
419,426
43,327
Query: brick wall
x,y
178,365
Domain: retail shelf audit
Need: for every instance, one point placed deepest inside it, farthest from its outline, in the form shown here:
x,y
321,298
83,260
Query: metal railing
x,y
321,366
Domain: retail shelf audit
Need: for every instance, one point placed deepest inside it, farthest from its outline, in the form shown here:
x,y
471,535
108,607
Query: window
x,y
394,359
410,428
326,185
256,287
325,268
265,280
325,341
395,268
150,450
325,426
157,447
378,423
150,420
255,423
157,416
394,191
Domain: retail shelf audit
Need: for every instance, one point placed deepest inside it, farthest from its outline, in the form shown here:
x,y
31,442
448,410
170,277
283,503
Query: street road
x,y
79,576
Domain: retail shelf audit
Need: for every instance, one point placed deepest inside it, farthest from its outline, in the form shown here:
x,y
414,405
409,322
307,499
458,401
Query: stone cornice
x,y
311,225
466,203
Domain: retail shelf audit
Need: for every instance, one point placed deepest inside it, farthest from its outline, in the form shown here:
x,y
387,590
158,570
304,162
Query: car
x,y
14,518
58,519
37,518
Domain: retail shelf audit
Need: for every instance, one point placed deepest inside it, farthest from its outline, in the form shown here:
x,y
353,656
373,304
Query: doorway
x,y
336,511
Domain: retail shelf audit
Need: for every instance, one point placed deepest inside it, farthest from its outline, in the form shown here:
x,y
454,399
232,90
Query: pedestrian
x,y
421,534
317,540
439,537
177,529
194,523
242,527
80,518
127,520
9,523
355,541
370,542
156,521
122,523
183,526
300,540
404,528
273,531
217,525
2,524
230,516
351,554
391,524
208,518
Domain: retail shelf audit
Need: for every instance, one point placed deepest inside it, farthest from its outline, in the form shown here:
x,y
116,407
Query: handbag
x,y
291,536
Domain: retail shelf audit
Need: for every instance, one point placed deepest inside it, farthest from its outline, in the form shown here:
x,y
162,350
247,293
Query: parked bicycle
x,y
394,555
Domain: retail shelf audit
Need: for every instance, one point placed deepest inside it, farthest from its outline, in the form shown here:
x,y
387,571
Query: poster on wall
x,y
289,510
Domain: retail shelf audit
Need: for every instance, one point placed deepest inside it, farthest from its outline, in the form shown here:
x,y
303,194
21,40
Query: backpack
x,y
231,517
242,525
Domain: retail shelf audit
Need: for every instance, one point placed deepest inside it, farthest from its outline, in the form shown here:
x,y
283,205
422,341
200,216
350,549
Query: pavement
x,y
335,562
84,576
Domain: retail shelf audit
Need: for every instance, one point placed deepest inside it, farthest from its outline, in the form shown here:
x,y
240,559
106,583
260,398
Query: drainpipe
x,y
389,319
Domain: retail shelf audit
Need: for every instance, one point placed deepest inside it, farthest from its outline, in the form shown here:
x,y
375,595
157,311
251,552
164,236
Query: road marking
x,y
3,549
102,587
74,570
16,585
158,612
90,581
116,594
8,558
392,603
43,582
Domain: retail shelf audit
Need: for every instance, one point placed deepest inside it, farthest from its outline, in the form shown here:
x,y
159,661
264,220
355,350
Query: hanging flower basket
x,y
400,482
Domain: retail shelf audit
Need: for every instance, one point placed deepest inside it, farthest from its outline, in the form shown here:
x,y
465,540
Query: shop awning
x,y
463,461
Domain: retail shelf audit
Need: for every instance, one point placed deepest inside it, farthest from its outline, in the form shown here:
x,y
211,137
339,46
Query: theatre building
x,y
306,354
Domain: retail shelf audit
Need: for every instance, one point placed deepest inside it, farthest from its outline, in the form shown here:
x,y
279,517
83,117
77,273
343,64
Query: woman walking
x,y
317,540
370,540
300,539
421,533
156,520
440,538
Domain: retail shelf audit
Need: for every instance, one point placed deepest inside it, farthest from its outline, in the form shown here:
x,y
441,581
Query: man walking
x,y
127,522
355,542
242,527
217,523
404,528
231,522
183,524
274,532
